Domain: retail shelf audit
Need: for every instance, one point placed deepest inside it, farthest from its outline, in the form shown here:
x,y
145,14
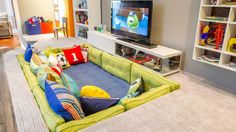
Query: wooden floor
x,y
7,123
7,43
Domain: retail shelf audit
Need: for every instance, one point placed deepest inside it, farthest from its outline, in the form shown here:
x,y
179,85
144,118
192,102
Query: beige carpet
x,y
197,106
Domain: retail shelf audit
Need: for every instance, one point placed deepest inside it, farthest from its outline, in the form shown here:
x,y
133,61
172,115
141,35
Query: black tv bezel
x,y
135,4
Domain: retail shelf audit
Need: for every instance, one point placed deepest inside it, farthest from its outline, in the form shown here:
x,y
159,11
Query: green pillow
x,y
137,85
50,50
136,89
38,61
71,85
46,73
47,51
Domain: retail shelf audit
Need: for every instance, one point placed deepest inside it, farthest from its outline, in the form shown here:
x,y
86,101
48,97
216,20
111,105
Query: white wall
x,y
29,8
174,25
2,6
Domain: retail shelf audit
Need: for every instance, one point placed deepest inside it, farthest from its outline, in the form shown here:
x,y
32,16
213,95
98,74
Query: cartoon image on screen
x,y
134,20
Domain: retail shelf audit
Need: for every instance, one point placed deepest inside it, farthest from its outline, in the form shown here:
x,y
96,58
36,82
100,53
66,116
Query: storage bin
x,y
33,29
46,27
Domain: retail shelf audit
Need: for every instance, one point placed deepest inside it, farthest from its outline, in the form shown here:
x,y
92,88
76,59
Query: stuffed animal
x,y
62,60
32,20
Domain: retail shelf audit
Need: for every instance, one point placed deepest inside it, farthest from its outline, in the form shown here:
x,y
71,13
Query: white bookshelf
x,y
93,11
224,57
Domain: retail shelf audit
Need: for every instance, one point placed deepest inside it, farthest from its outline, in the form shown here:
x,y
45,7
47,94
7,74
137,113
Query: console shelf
x,y
212,15
168,59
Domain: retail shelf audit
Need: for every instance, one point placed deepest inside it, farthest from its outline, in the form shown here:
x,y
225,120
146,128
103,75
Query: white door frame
x,y
18,23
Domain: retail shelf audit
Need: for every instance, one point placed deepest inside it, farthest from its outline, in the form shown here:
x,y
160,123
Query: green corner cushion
x,y
74,126
117,66
154,93
151,79
29,75
95,55
51,118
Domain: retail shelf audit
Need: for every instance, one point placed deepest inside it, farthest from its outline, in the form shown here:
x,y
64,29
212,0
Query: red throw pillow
x,y
74,55
85,54
57,69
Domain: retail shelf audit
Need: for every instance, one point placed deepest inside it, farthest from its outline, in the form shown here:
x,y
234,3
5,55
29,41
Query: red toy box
x,y
46,27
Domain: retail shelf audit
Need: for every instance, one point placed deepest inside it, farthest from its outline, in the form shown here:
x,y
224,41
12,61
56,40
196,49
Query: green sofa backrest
x,y
150,78
117,66
95,55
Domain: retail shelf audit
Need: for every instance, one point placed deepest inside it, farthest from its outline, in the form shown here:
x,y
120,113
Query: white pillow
x,y
52,60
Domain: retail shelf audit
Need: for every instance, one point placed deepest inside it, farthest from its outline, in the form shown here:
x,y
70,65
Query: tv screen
x,y
132,18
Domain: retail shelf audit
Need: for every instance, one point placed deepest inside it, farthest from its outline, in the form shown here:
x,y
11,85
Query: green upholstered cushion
x,y
95,56
154,93
29,75
117,66
52,119
150,78
74,126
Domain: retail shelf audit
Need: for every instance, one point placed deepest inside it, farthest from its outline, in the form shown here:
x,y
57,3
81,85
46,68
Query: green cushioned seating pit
x,y
155,86
117,66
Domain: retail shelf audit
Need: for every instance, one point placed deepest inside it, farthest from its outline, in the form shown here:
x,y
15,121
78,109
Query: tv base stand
x,y
138,42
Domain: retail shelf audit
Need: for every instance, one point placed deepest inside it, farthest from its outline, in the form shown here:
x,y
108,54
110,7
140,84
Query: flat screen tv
x,y
132,19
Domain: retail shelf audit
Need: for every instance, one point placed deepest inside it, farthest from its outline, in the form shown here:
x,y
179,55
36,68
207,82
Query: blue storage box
x,y
33,29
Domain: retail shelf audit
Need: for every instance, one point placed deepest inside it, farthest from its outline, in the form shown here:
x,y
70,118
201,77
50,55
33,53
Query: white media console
x,y
170,58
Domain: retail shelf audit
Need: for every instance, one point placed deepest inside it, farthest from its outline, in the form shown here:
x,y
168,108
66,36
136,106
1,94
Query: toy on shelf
x,y
212,34
154,64
232,45
219,34
230,2
217,18
213,2
81,17
82,5
174,61
82,33
204,35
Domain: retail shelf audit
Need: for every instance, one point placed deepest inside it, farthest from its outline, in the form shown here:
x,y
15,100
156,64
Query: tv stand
x,y
170,59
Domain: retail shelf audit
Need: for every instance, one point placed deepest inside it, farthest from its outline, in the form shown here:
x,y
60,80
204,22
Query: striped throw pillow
x,y
62,101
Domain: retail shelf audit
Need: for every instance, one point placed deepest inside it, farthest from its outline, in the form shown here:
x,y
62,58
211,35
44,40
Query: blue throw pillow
x,y
63,102
93,105
28,53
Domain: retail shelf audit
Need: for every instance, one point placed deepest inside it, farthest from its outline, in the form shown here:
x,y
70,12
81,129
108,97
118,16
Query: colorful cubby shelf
x,y
216,30
86,16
